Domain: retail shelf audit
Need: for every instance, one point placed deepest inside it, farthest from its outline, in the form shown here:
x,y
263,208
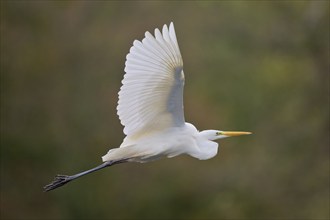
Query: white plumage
x,y
150,108
150,104
151,95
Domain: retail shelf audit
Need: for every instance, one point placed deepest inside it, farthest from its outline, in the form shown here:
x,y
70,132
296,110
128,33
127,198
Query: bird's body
x,y
169,143
150,108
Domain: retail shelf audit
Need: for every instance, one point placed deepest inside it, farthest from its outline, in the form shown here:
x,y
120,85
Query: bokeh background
x,y
260,66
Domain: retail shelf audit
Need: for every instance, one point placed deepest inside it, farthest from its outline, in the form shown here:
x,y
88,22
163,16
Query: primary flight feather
x,y
150,108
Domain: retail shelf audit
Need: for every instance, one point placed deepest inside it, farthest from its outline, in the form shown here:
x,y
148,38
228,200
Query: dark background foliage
x,y
260,66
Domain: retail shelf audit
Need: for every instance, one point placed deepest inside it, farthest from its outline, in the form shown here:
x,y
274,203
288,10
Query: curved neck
x,y
206,147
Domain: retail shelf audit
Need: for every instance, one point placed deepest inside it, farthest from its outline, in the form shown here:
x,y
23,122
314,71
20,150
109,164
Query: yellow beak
x,y
235,133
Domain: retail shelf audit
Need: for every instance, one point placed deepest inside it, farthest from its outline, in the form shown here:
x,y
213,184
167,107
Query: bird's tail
x,y
132,152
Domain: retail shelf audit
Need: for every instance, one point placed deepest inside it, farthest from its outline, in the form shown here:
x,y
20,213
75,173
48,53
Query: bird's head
x,y
216,134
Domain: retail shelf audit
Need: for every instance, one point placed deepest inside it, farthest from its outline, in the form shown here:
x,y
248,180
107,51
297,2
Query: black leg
x,y
61,180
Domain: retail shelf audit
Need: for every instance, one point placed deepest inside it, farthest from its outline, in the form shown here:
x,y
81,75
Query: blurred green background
x,y
260,66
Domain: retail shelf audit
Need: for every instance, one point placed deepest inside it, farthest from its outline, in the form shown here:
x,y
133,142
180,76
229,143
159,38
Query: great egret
x,y
150,108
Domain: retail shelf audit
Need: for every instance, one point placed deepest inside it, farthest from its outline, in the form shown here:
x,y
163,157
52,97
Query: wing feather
x,y
151,97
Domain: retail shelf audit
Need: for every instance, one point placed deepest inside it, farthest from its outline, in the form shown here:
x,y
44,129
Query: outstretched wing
x,y
151,97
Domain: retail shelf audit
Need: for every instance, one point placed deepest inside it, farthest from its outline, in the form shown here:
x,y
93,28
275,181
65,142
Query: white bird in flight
x,y
150,108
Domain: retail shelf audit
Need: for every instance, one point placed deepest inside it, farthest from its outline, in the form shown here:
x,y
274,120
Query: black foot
x,y
59,181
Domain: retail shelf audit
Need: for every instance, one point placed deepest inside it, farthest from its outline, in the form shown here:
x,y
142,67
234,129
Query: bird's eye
x,y
218,133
